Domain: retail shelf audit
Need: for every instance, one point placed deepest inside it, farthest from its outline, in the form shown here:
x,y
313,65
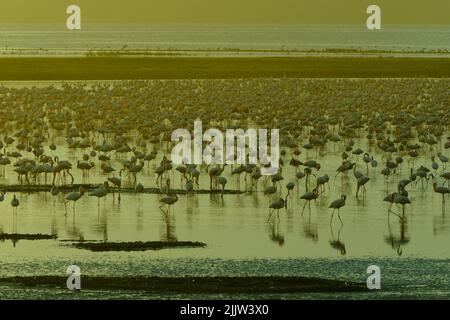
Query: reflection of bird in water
x,y
139,188
275,234
2,196
395,241
166,188
54,227
440,225
74,232
337,243
102,227
15,204
310,230
189,187
168,230
337,204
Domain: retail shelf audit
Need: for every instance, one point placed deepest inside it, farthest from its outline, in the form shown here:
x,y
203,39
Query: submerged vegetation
x,y
18,236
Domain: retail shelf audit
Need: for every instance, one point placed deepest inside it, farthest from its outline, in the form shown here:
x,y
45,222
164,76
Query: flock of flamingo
x,y
57,135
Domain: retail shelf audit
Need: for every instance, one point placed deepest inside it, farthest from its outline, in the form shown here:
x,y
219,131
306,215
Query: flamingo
x,y
277,205
15,204
361,184
117,183
74,196
308,196
338,204
169,201
442,190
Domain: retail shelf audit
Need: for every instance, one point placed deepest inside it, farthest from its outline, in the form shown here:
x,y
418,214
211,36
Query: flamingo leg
x,y
270,215
304,207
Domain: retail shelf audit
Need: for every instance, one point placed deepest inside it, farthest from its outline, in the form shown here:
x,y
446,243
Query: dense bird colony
x,y
118,129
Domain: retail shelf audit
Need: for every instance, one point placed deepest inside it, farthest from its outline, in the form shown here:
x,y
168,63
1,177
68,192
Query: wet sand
x,y
125,68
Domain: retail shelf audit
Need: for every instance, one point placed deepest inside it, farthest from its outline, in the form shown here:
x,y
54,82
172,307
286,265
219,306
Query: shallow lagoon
x,y
414,260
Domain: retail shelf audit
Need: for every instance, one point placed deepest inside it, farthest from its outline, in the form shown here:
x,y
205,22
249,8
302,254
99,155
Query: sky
x,y
227,11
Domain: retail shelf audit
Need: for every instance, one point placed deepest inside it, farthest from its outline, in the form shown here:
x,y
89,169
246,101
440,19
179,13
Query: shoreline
x,y
146,68
234,54
219,52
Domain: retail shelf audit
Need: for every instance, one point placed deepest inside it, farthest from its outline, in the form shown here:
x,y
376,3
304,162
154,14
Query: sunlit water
x,y
414,261
216,36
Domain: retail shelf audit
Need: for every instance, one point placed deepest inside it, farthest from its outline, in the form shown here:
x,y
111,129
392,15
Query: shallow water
x,y
414,257
239,239
50,37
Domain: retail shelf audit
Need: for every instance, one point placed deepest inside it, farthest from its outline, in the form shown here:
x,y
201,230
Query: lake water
x,y
213,37
414,261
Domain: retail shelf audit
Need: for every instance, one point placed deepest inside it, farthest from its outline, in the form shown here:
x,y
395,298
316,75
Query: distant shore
x,y
128,68
219,52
